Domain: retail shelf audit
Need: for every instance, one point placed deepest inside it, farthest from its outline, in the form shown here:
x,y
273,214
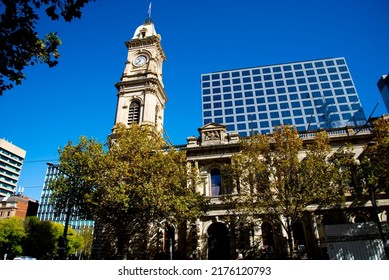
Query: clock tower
x,y
141,94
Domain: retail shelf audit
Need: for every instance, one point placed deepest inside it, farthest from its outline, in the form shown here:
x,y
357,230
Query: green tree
x,y
20,43
374,162
41,240
279,177
137,183
87,242
12,236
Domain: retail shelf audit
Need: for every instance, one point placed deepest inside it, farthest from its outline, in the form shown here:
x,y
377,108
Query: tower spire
x,y
148,18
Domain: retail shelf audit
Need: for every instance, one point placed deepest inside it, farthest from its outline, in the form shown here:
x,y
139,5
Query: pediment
x,y
212,126
213,133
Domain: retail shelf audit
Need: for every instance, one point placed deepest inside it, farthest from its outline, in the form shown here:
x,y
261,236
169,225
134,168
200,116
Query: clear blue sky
x,y
78,96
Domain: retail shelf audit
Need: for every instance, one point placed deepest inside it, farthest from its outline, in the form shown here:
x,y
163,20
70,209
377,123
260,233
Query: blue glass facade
x,y
46,210
309,95
383,86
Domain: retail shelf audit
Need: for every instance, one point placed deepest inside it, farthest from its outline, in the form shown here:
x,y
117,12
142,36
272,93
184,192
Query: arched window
x,y
134,112
216,182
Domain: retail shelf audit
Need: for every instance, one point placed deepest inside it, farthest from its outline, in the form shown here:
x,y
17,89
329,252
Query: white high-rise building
x,y
11,162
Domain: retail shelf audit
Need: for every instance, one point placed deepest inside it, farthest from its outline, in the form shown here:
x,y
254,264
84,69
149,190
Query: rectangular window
x,y
207,114
264,124
216,90
248,94
262,116
282,97
240,118
278,76
226,89
205,78
227,96
267,77
284,105
228,111
218,113
287,68
271,99
279,83
239,110
217,105
275,123
285,114
218,120
330,63
297,67
310,72
227,103
249,101
215,76
297,112
295,104
238,95
241,126
246,73
290,82
261,108
258,85
246,80
260,100
247,87
250,109
273,107
230,127
238,102
323,78
274,115
225,75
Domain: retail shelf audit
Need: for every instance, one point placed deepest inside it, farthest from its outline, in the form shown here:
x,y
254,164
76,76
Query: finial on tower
x,y
148,18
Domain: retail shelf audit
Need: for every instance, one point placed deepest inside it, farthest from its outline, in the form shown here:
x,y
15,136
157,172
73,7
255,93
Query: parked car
x,y
25,258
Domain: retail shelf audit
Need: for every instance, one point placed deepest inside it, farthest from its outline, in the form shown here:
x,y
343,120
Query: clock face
x,y
140,60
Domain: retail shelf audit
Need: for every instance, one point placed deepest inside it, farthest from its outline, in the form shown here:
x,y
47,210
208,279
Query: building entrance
x,y
218,242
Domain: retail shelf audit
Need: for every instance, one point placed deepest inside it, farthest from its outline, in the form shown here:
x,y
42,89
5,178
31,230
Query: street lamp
x,y
63,240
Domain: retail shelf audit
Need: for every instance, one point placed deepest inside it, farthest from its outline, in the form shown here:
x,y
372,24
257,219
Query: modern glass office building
x,y
309,95
383,86
46,211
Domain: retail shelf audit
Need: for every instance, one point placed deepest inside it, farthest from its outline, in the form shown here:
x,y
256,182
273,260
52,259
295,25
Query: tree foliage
x,y
138,182
20,43
374,164
12,236
279,177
